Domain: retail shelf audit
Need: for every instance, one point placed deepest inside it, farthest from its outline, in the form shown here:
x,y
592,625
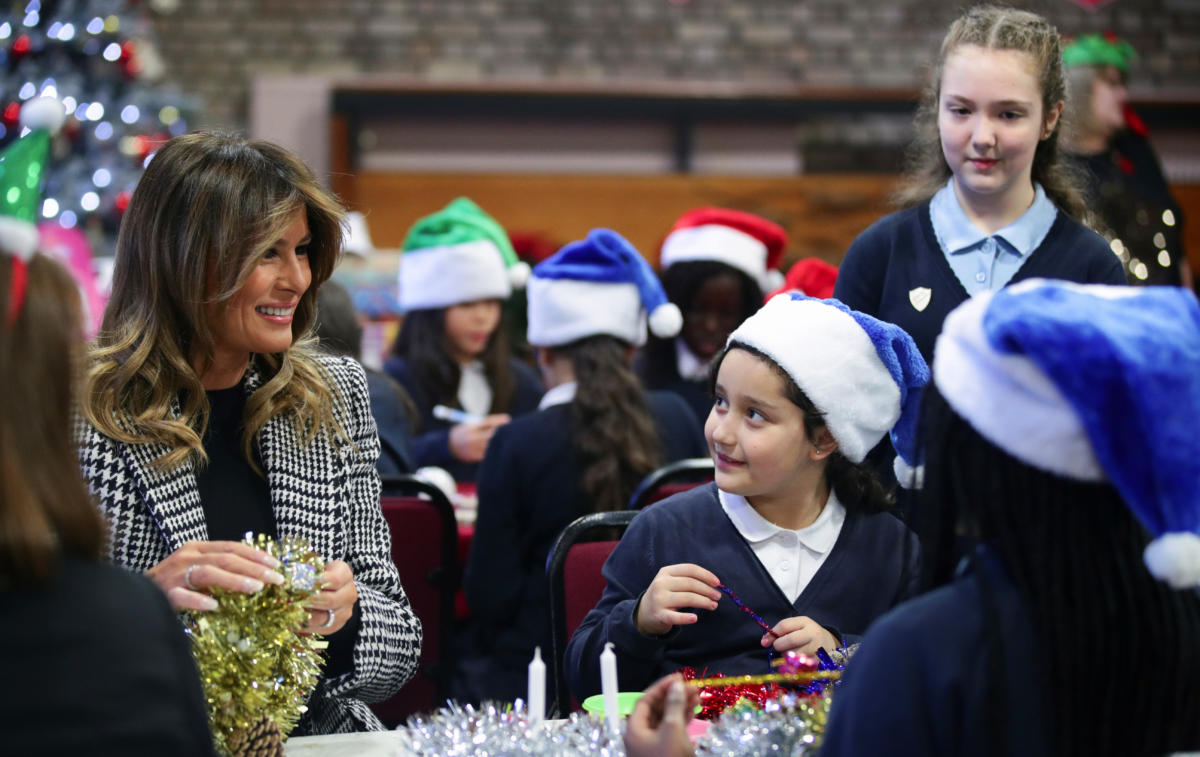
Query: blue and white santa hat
x,y
864,375
598,285
1093,383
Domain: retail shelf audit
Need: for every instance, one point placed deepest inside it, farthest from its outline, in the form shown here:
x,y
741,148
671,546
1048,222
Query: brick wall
x,y
214,47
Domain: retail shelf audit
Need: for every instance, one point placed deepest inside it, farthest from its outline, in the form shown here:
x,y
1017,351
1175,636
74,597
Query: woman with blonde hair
x,y
210,413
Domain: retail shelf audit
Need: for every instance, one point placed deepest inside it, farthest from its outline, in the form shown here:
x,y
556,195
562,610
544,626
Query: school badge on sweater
x,y
920,297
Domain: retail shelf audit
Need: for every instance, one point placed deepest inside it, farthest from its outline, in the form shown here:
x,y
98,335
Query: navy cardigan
x,y
920,682
899,255
431,444
872,567
528,492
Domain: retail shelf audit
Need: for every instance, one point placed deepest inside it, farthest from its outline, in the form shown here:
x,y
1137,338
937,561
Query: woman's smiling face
x,y
258,318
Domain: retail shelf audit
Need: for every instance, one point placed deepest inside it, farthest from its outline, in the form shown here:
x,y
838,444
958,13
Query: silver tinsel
x,y
790,726
495,730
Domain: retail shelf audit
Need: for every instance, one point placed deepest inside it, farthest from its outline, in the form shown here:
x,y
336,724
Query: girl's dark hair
x,y
856,486
423,343
995,28
616,443
45,509
681,281
1074,551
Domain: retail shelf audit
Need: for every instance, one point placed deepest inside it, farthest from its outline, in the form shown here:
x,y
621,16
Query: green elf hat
x,y
458,254
22,169
1099,50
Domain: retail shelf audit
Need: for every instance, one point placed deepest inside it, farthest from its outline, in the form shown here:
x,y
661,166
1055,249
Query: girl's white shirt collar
x,y
559,395
818,537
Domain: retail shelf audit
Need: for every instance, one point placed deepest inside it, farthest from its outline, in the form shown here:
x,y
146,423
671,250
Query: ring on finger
x,y
328,623
187,577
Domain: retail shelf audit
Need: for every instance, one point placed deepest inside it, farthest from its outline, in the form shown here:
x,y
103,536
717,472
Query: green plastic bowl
x,y
625,702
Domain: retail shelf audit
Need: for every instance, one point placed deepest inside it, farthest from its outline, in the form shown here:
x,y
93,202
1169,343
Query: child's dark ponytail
x,y
616,443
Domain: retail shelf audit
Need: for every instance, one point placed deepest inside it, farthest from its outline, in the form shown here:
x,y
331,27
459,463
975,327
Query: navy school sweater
x,y
873,566
528,493
889,267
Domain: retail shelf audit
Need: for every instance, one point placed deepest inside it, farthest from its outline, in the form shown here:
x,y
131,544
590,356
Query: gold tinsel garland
x,y
253,661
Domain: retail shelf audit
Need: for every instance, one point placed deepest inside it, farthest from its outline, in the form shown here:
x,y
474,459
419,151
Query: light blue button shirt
x,y
982,262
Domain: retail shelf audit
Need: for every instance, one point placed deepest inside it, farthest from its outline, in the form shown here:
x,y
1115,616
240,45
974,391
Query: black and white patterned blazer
x,y
325,492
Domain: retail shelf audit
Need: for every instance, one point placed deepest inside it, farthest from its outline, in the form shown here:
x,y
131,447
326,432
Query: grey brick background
x,y
214,47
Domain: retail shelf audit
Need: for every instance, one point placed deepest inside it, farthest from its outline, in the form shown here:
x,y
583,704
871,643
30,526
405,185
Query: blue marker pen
x,y
454,415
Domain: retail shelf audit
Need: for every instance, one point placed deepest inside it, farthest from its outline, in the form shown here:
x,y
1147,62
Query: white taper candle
x,y
537,688
608,686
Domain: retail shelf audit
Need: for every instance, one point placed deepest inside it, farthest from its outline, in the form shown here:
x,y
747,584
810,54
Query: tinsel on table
x,y
808,676
494,730
252,659
789,726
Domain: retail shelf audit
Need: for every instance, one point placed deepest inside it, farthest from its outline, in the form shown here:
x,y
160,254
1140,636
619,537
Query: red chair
x,y
576,584
425,550
672,478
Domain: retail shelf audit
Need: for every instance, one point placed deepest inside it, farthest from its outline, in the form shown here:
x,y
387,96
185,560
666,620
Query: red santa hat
x,y
811,276
743,240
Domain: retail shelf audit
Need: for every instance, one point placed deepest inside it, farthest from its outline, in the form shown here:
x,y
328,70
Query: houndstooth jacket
x,y
325,492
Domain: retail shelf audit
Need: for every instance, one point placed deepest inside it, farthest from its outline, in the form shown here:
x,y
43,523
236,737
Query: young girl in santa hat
x,y
794,526
988,199
715,263
457,267
594,437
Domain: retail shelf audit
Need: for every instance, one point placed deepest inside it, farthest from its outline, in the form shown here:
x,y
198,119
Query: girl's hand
x,y
675,587
800,634
657,727
332,606
187,574
468,441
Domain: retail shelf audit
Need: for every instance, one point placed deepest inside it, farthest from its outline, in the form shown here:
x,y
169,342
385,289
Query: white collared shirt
x,y
559,395
791,556
690,367
474,391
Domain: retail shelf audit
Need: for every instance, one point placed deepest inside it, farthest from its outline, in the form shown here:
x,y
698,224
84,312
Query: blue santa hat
x,y
864,375
598,285
1093,383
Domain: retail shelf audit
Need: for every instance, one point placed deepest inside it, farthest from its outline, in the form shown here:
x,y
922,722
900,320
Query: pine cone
x,y
262,739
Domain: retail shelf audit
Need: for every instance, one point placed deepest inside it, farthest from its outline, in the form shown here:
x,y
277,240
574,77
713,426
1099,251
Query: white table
x,y
373,744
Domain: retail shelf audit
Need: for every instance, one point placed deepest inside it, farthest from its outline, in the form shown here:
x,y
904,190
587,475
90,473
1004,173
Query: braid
x,y
1074,551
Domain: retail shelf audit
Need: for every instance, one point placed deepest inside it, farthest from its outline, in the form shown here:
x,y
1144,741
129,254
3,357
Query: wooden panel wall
x,y
822,214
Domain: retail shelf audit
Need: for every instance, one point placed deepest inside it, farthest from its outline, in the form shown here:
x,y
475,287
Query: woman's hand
x,y
187,574
657,727
800,634
331,607
675,587
468,441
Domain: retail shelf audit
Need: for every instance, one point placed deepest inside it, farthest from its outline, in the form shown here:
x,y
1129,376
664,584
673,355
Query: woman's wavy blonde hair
x,y
995,28
206,211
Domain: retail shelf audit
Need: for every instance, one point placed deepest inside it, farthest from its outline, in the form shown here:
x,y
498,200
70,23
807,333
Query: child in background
x,y
1059,432
457,267
715,264
794,525
988,199
594,437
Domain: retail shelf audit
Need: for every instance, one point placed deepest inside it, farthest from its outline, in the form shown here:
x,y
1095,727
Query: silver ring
x,y
328,623
187,577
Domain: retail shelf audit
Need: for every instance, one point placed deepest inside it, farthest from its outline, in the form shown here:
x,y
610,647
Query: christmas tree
x,y
98,58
